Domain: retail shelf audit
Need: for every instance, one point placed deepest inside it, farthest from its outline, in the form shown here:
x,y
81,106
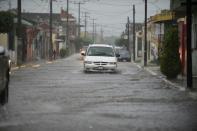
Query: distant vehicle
x,y
100,57
124,55
4,76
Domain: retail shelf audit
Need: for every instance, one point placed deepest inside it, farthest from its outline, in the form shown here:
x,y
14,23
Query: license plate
x,y
100,68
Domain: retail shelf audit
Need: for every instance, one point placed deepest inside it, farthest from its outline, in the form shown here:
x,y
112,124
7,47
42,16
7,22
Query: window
x,y
100,51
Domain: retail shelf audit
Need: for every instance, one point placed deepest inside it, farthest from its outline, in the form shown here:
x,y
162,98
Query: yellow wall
x,y
162,17
4,40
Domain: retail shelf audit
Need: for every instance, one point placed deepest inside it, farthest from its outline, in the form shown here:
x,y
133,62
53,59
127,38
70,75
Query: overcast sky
x,y
110,14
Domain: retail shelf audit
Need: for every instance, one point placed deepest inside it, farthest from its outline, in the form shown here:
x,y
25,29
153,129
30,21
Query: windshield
x,y
123,52
100,51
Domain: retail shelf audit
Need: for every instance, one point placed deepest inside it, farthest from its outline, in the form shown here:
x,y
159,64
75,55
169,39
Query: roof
x,y
41,16
24,22
64,14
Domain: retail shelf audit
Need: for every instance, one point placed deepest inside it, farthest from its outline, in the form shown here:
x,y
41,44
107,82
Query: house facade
x,y
179,7
138,28
72,30
138,45
9,40
156,28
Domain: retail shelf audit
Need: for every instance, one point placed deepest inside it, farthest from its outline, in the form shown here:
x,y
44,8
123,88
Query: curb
x,y
181,88
31,64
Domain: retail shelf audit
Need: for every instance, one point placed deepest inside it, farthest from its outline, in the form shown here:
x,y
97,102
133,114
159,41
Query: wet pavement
x,y
59,96
179,82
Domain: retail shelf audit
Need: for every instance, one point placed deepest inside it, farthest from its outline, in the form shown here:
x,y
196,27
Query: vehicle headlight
x,y
88,62
112,63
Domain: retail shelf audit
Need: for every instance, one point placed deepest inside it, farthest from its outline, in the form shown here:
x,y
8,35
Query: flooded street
x,y
59,96
98,65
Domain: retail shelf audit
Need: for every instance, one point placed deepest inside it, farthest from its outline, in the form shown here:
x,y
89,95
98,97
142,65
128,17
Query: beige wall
x,y
53,40
4,40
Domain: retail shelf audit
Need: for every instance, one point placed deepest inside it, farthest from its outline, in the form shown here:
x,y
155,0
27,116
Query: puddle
x,y
193,95
134,79
50,108
118,116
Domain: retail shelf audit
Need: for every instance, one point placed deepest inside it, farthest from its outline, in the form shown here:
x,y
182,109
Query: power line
x,y
98,11
103,3
42,5
112,4
36,2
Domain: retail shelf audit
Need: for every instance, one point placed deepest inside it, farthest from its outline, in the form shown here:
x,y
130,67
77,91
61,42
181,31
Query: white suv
x,y
100,57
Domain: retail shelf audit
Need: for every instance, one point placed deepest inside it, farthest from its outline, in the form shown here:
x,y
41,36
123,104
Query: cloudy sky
x,y
111,15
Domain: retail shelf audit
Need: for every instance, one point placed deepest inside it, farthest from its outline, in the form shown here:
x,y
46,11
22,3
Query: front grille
x,y
100,63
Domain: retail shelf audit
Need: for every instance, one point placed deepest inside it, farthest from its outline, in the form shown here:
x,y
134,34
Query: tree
x,y
63,52
170,60
80,42
122,42
6,21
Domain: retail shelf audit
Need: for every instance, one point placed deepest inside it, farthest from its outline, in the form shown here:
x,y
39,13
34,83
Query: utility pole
x,y
79,28
102,40
19,41
86,24
189,37
95,34
67,25
79,18
133,32
93,37
128,34
145,34
50,23
10,5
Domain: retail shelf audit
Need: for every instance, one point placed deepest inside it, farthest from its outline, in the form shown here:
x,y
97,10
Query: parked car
x,y
4,76
124,55
100,57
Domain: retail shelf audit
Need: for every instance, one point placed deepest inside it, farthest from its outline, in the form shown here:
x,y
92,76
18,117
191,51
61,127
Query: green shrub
x,y
63,52
170,61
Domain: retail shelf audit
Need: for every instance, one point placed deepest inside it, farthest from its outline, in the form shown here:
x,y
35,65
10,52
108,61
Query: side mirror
x,y
2,51
117,55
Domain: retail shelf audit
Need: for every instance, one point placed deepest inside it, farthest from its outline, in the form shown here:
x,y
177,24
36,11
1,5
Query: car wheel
x,y
85,70
4,94
114,70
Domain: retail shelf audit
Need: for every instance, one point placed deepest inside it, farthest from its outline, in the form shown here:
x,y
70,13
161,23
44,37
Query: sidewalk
x,y
180,82
34,64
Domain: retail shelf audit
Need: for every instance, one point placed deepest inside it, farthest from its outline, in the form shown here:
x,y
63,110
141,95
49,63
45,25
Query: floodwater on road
x,y
59,96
